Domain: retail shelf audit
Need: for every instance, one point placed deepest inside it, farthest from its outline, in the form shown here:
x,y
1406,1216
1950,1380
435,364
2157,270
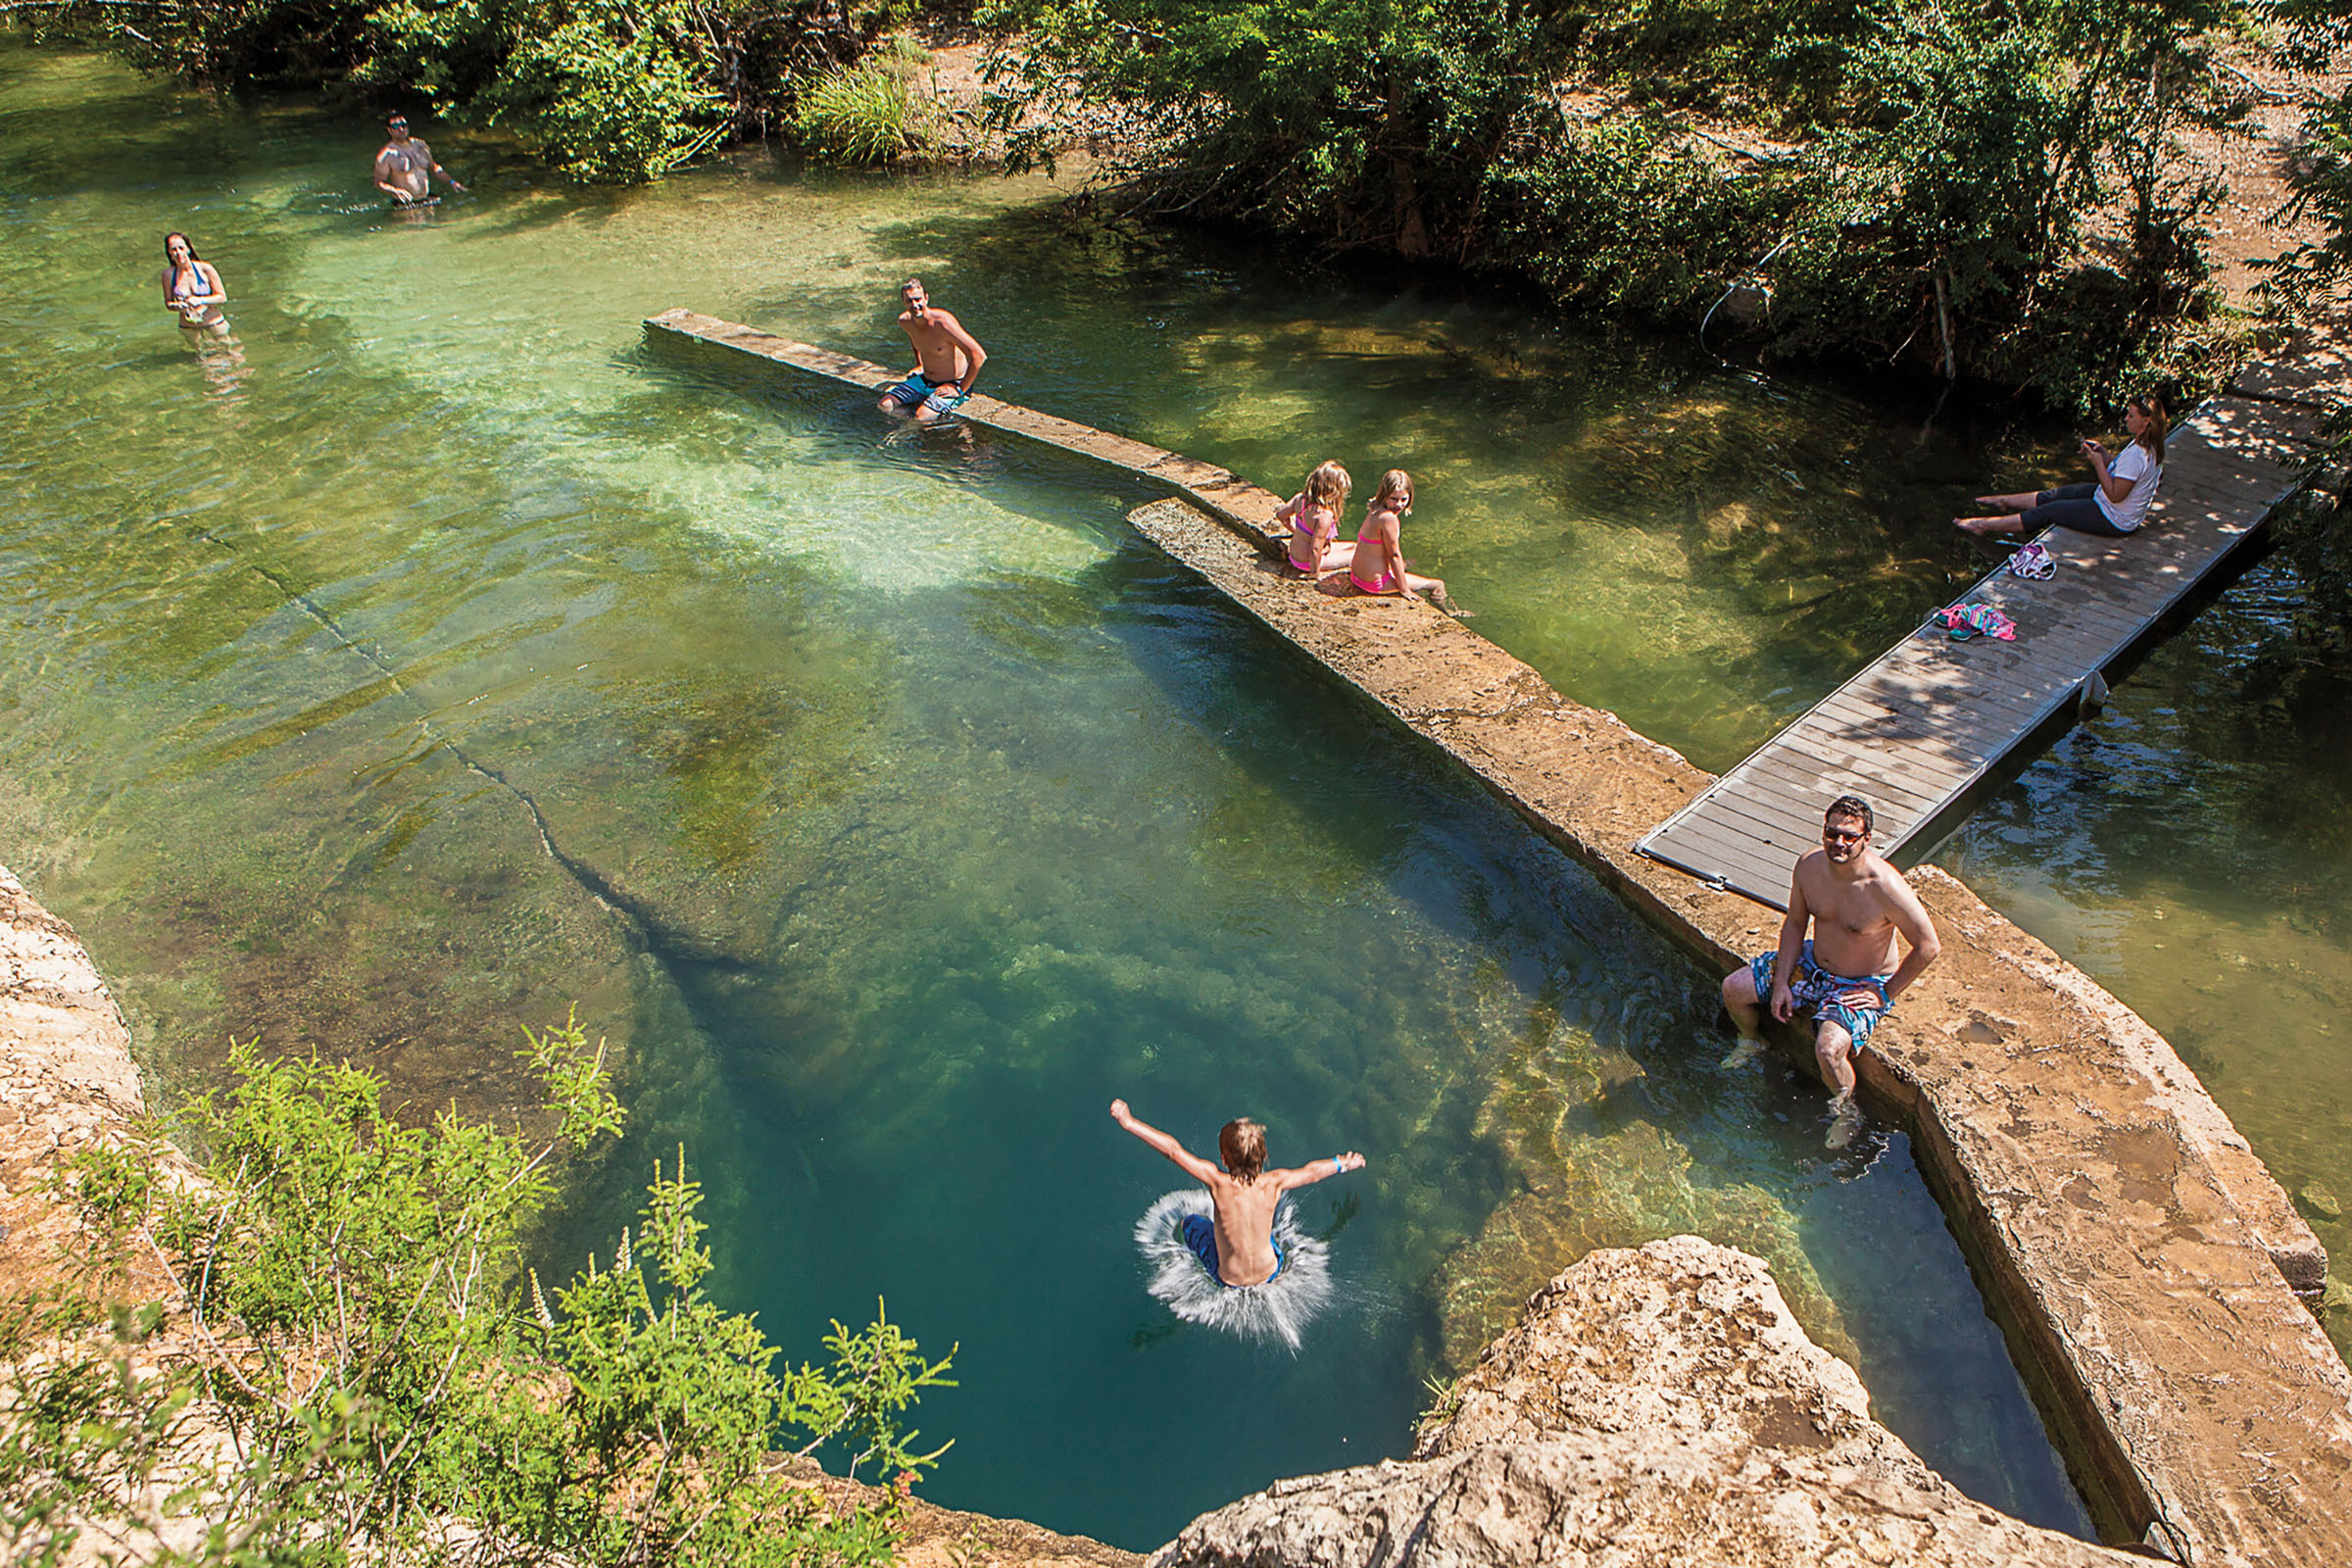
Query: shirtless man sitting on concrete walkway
x,y
1846,972
947,359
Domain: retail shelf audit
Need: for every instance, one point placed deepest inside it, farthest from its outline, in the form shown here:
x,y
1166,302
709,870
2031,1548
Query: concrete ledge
x,y
1219,492
2138,1253
2141,1258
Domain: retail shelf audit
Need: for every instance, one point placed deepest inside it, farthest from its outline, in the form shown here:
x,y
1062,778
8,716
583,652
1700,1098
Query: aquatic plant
x,y
862,114
1597,1172
325,1345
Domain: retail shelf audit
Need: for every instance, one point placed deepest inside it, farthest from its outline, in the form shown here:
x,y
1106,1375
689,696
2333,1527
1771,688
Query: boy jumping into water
x,y
1239,1248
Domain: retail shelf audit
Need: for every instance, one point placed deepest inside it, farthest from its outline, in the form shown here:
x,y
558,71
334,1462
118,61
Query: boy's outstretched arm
x,y
1193,1165
1317,1170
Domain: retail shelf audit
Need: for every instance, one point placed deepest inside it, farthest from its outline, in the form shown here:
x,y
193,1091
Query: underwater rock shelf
x,y
1225,495
1923,730
2140,1259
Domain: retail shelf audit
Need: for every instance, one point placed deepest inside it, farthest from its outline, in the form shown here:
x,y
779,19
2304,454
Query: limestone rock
x,y
1681,1337
1657,1405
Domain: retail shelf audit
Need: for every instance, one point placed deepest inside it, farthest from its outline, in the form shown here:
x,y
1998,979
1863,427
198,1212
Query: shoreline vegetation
x,y
315,1339
2000,195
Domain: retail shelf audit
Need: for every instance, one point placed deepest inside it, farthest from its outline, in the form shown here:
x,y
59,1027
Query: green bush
x,y
1935,209
862,114
2309,282
610,92
352,1311
1622,215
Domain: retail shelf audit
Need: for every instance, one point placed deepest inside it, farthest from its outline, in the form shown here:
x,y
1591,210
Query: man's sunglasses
x,y
1839,835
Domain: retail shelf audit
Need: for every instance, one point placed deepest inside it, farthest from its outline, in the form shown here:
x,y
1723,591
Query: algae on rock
x,y
1593,1179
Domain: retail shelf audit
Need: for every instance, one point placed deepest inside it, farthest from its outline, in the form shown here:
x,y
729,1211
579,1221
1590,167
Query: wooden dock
x,y
1922,733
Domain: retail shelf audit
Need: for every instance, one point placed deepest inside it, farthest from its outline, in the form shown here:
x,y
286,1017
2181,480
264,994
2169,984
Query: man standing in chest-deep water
x,y
947,359
405,168
1846,971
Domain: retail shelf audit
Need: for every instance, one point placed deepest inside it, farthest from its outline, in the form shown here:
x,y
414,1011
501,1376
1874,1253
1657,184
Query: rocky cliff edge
x,y
1657,1405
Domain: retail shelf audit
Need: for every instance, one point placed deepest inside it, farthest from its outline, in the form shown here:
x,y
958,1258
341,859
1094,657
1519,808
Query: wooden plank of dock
x,y
1220,492
1919,731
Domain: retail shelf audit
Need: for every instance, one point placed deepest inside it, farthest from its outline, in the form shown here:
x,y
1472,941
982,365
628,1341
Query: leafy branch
x,y
352,1359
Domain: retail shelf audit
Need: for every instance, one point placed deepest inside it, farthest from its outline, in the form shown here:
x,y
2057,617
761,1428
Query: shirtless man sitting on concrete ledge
x,y
947,359
1846,971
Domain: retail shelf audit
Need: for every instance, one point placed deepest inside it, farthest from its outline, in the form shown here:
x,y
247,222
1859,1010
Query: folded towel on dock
x,y
1964,621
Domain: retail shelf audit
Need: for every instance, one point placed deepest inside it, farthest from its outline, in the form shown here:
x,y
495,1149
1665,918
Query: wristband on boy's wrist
x,y
1340,1166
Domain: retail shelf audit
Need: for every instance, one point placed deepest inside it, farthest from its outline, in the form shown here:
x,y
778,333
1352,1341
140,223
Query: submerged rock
x,y
1658,1405
1589,1184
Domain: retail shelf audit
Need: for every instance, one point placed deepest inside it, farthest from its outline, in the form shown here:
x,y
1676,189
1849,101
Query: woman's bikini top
x,y
194,270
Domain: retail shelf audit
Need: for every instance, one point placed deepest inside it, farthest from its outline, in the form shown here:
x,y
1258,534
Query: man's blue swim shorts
x,y
1201,1235
920,391
1816,987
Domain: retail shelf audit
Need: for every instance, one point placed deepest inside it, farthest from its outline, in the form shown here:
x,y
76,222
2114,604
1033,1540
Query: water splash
x,y
1278,1309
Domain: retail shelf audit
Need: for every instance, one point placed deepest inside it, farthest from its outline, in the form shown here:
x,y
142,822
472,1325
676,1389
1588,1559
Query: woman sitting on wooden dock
x,y
2115,506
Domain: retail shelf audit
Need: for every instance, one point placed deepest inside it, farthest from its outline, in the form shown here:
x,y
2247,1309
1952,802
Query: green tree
x,y
1365,123
353,1357
1933,195
609,91
2308,279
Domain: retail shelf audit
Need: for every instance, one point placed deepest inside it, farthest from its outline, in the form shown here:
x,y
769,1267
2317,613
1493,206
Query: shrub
x,y
2308,281
351,1314
1938,208
863,113
610,92
1623,214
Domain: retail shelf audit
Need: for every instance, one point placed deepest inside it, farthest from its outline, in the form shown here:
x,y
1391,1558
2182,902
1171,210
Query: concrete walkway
x,y
2140,1259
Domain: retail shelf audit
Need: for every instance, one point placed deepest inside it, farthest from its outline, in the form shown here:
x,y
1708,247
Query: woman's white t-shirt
x,y
2133,464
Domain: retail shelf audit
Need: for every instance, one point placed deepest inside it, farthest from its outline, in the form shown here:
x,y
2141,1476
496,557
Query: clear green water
x,y
2192,850
905,806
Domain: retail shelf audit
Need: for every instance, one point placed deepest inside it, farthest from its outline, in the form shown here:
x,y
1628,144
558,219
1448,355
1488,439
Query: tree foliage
x,y
609,91
352,1358
1987,189
2312,278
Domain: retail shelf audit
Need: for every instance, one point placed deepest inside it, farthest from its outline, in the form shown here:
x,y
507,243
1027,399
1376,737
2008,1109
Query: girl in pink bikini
x,y
1376,566
1314,515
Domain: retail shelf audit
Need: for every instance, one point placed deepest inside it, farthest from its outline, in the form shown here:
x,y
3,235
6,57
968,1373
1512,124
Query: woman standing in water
x,y
192,289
